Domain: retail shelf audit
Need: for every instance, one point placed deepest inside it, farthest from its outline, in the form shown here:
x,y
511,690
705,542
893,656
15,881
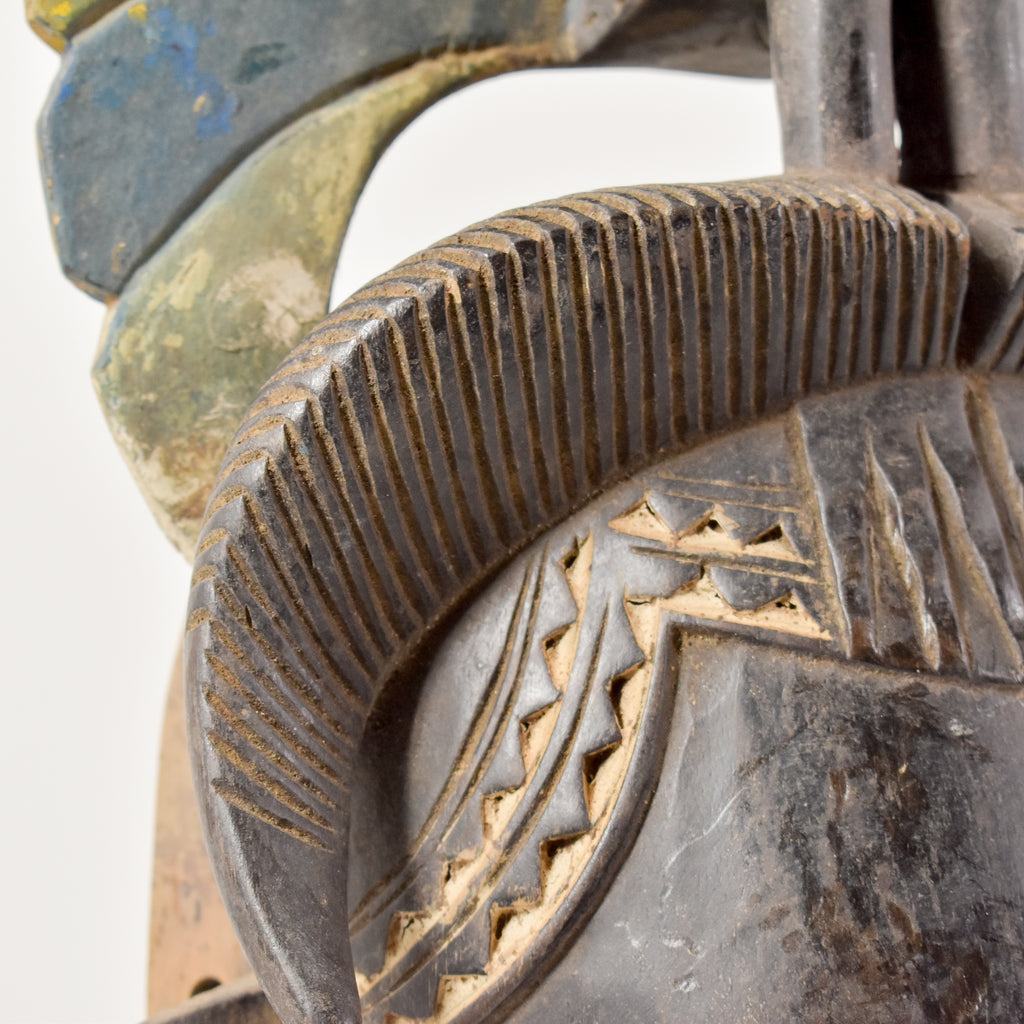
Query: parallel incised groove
x,y
496,499
675,425
317,592
267,752
230,795
1001,476
349,685
321,706
479,319
478,751
263,780
415,600
466,491
362,603
553,340
381,580
516,378
284,726
576,333
647,236
438,423
502,722
399,481
436,475
611,376
529,351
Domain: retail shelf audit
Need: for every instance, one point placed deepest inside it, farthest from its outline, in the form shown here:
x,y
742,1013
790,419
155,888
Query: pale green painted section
x,y
202,325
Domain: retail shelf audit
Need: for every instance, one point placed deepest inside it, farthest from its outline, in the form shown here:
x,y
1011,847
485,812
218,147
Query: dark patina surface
x,y
616,611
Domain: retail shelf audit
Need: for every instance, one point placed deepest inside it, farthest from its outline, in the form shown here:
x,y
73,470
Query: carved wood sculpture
x,y
614,612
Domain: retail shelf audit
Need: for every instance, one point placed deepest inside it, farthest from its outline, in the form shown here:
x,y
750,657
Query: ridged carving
x,y
459,919
746,549
735,537
452,410
923,522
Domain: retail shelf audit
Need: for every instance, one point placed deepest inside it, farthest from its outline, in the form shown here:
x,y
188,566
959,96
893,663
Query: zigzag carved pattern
x,y
497,711
480,392
570,745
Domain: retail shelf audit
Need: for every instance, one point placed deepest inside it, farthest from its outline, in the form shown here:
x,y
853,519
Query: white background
x,y
92,596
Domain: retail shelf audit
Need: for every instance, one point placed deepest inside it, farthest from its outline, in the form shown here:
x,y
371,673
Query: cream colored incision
x,y
708,542
515,928
563,859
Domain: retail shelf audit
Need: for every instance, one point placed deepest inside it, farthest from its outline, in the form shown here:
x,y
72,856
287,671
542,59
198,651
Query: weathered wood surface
x,y
452,411
155,104
202,160
209,317
659,548
192,945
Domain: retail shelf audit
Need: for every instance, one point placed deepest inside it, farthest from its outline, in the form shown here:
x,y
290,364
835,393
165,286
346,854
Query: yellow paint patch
x,y
138,12
117,257
191,280
57,22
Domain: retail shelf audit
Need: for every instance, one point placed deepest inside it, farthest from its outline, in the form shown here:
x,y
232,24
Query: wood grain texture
x,y
452,410
191,941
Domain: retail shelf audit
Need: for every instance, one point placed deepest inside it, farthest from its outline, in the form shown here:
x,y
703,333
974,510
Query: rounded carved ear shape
x,y
431,428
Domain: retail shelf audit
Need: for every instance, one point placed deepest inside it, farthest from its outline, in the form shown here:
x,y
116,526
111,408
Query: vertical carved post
x,y
832,66
616,612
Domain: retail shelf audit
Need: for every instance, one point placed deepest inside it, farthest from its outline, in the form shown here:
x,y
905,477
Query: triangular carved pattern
x,y
744,560
472,881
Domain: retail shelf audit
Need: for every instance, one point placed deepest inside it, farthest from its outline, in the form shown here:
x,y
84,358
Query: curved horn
x,y
447,414
202,160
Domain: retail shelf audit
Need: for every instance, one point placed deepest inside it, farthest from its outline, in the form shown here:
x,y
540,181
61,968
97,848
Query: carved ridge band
x,y
449,412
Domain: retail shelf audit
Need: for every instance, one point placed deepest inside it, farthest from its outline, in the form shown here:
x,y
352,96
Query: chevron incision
x,y
743,548
520,822
462,403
